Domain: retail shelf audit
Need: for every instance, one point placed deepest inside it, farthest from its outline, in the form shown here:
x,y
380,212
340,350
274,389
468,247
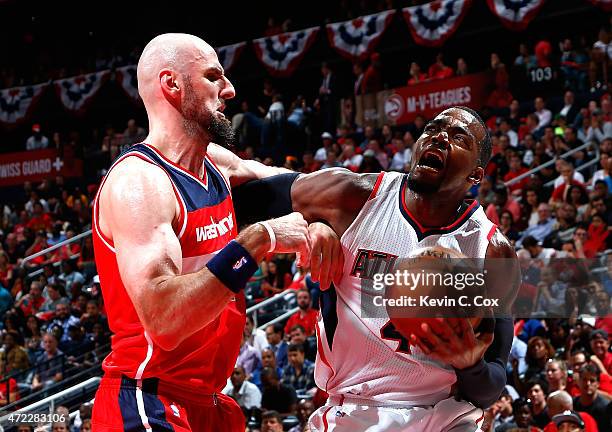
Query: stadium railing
x,y
285,296
554,159
55,246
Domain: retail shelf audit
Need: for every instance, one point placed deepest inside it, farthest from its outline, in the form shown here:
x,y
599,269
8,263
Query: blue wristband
x,y
233,266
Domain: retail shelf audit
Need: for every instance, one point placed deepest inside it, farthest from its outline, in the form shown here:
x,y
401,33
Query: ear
x,y
169,83
476,175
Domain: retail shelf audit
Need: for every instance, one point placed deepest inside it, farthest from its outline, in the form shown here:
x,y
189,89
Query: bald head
x,y
558,402
174,51
184,89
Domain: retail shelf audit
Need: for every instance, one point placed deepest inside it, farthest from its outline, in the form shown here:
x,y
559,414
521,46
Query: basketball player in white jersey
x,y
377,379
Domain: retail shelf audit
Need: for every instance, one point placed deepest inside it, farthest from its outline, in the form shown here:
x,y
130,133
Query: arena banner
x,y
357,38
35,166
282,53
76,93
401,105
228,54
606,5
16,103
433,23
515,14
126,77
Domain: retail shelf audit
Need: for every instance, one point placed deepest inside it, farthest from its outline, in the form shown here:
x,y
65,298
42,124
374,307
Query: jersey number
x,y
389,332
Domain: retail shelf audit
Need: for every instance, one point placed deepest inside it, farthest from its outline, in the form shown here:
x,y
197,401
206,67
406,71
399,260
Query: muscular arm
x,y
238,170
333,195
137,210
482,383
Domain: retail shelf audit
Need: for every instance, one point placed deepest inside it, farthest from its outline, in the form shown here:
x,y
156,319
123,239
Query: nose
x,y
228,91
440,138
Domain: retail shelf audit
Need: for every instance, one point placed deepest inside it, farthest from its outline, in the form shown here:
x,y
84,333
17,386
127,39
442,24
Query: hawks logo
x,y
367,263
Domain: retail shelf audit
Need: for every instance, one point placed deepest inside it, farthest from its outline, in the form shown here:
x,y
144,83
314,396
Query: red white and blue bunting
x,y
357,38
228,54
77,92
17,103
606,5
515,14
282,53
127,79
433,23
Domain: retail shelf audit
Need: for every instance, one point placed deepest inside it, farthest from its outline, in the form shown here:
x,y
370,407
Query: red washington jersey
x,y
206,224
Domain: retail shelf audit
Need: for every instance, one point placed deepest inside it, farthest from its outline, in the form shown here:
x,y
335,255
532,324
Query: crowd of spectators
x,y
559,217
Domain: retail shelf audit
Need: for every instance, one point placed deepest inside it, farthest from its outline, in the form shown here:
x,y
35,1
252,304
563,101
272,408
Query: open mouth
x,y
431,159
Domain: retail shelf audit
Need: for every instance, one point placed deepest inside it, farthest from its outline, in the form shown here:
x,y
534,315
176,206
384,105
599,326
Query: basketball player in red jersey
x,y
172,265
442,377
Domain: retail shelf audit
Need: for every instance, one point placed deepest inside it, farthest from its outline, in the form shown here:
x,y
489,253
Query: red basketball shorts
x,y
122,405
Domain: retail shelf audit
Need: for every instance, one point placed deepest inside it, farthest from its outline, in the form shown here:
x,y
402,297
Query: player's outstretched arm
x,y
137,210
239,170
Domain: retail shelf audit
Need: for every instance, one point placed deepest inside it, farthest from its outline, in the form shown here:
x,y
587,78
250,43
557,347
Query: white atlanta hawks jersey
x,y
366,358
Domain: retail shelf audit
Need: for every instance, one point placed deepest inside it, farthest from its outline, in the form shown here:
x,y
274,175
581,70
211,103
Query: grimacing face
x,y
446,154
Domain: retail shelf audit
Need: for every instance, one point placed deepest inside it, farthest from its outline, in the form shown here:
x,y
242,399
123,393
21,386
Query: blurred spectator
x,y
9,390
277,396
462,68
31,302
255,337
416,76
37,141
600,345
70,276
544,115
50,369
349,158
599,129
64,319
372,78
556,376
299,373
14,357
304,411
570,108
525,58
589,400
56,294
306,316
268,360
600,60
377,151
536,391
439,70
274,333
506,129
245,393
321,154
328,98
542,228
248,357
133,134
502,202
271,421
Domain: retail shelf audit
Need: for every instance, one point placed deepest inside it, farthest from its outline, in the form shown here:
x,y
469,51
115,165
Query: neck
x,y
437,209
186,148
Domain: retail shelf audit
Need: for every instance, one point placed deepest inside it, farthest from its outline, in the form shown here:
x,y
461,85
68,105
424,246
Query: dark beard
x,y
220,131
421,187
196,122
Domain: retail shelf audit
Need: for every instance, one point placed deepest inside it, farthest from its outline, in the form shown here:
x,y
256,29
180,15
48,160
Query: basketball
x,y
436,282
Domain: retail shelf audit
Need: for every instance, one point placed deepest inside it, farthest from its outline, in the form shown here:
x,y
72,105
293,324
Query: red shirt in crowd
x,y
437,71
307,320
42,222
30,306
520,184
